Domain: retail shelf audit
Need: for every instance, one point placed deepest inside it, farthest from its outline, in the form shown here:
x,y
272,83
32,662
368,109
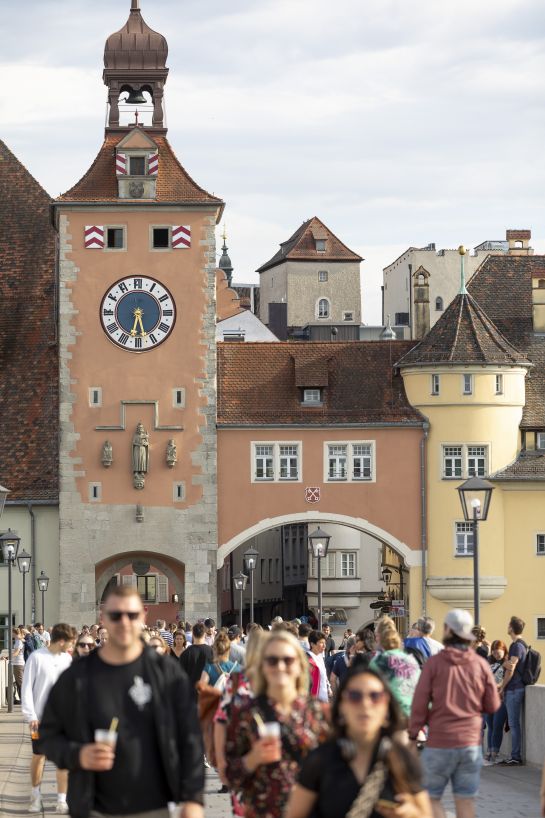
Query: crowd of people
x,y
295,727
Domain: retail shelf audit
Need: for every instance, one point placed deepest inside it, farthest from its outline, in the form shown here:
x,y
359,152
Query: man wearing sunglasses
x,y
151,749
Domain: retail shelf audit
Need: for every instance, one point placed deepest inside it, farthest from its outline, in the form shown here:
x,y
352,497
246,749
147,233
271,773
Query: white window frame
x,y
178,397
435,385
312,397
95,392
123,248
465,529
318,302
537,626
329,566
276,461
499,384
477,462
320,245
288,462
465,456
323,276
540,544
349,565
351,456
348,315
365,467
467,384
540,441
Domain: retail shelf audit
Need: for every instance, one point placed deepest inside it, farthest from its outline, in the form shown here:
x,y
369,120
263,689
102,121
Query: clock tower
x,y
136,272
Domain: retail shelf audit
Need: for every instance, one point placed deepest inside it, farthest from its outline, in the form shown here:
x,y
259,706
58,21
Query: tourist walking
x,y
164,632
42,669
18,661
512,688
124,724
84,645
342,662
495,722
362,768
195,657
269,736
179,644
400,669
455,688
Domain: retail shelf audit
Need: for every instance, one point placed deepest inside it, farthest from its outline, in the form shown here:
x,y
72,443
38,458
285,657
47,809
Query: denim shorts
x,y
461,766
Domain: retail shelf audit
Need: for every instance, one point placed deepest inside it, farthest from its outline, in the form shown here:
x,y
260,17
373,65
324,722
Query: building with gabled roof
x,y
312,281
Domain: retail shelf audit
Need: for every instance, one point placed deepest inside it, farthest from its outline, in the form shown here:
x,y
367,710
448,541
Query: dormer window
x,y
137,166
312,396
320,245
540,440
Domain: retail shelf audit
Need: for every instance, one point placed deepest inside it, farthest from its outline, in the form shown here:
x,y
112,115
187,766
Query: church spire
x,y
225,261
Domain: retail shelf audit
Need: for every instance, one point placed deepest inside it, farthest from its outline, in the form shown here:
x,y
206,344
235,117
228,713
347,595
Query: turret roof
x,y
136,45
301,246
464,335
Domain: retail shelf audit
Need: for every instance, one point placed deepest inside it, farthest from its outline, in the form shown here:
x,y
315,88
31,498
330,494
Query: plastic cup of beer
x,y
106,737
271,730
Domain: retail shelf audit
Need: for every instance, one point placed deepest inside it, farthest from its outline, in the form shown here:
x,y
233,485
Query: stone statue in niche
x,y
107,454
172,454
140,456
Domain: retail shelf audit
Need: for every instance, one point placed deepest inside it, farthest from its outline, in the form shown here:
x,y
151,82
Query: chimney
x,y
538,301
518,242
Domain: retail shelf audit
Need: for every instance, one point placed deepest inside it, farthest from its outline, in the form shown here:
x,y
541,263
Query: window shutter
x,y
181,237
162,588
153,164
129,579
121,164
94,236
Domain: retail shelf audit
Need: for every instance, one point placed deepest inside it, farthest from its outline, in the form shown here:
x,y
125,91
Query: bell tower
x,y
134,62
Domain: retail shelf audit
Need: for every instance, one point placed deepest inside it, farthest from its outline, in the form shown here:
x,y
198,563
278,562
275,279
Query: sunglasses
x,y
274,661
85,645
357,696
116,616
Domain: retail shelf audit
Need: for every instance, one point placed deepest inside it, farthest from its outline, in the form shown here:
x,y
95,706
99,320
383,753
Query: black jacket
x,y
65,727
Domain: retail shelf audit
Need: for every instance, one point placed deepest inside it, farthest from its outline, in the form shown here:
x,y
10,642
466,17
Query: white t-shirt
x,y
435,646
19,660
45,637
42,669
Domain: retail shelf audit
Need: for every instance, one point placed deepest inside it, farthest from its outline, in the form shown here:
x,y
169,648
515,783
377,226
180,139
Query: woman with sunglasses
x,y
269,736
84,645
362,770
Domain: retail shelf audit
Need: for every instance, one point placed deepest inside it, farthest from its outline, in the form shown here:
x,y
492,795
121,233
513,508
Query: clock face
x,y
137,313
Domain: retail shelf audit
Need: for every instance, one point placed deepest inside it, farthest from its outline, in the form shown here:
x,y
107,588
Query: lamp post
x,y
250,564
23,561
240,581
43,582
475,495
318,545
10,545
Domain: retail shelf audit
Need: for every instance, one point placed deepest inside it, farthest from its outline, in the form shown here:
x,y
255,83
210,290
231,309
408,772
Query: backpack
x,y
37,640
532,666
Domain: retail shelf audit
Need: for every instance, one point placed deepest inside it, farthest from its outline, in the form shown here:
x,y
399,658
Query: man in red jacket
x,y
459,686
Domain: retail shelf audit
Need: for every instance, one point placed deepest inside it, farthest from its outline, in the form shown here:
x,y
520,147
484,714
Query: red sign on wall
x,y
312,494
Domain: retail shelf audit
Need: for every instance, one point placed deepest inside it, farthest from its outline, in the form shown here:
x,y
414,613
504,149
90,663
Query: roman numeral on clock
x,y
112,328
168,312
163,327
152,338
138,343
164,297
123,338
107,312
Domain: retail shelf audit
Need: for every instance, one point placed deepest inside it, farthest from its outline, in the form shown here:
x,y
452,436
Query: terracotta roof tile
x,y
174,184
527,466
463,335
302,246
28,350
503,287
257,383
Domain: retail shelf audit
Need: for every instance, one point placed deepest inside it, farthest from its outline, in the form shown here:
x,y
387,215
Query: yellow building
x,y
479,378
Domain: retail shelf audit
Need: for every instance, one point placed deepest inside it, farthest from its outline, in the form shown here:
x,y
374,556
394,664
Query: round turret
x,y
136,45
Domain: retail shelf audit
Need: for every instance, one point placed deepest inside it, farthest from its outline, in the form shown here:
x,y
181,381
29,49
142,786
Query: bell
x,y
135,98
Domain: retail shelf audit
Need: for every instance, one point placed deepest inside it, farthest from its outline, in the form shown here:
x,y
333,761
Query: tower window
x,y
178,492
95,492
114,238
439,304
499,384
178,397
435,384
467,384
161,238
348,316
323,308
322,275
95,396
137,165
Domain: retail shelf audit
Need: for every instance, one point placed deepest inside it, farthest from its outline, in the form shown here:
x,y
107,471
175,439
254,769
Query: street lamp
x,y
9,542
475,495
43,582
250,564
318,544
23,561
240,581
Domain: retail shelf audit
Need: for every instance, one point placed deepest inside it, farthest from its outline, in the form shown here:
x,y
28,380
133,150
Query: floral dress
x,y
265,791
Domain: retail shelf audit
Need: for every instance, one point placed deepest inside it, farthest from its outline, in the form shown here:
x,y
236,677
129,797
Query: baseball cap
x,y
460,622
234,631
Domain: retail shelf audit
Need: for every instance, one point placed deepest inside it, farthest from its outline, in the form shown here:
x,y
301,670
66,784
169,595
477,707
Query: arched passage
x,y
411,557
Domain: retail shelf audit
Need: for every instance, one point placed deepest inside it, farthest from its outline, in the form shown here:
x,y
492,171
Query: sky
x,y
396,122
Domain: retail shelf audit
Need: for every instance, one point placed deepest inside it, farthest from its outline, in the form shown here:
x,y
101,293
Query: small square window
x,y
95,492
178,397
114,238
541,627
178,492
348,316
137,165
312,395
540,544
435,382
95,396
323,275
161,238
468,384
320,245
499,384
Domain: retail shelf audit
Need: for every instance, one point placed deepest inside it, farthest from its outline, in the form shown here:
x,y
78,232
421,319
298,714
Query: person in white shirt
x,y
210,632
42,669
43,634
317,641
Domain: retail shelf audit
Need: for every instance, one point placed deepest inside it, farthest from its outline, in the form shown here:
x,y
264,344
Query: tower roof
x,y
136,45
464,335
301,246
